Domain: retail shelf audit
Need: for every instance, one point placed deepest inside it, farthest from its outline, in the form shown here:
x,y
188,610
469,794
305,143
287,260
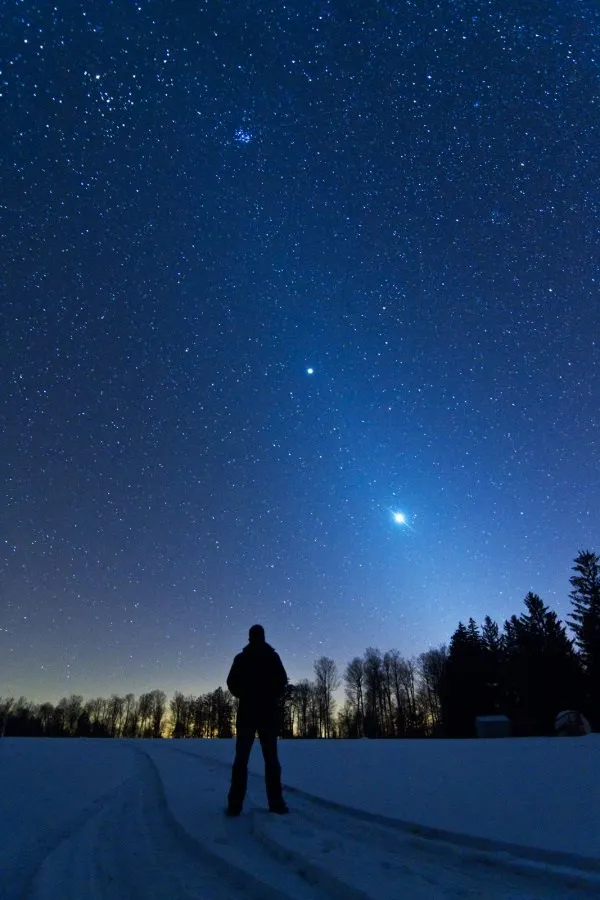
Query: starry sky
x,y
273,273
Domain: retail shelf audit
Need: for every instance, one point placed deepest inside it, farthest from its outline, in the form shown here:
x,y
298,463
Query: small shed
x,y
492,726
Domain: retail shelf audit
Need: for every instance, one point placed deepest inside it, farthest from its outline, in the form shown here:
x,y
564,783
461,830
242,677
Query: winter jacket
x,y
258,678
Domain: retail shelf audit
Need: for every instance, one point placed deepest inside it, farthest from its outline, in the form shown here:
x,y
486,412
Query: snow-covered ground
x,y
417,820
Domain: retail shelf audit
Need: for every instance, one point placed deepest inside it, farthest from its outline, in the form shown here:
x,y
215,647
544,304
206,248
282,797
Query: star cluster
x,y
271,271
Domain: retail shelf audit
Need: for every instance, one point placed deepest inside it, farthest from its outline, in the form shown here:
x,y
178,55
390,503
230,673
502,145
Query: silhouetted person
x,y
258,679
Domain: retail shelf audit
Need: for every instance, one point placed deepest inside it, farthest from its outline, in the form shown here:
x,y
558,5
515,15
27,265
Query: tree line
x,y
529,670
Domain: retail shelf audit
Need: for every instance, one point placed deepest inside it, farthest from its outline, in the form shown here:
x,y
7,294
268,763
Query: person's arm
x,y
281,678
235,678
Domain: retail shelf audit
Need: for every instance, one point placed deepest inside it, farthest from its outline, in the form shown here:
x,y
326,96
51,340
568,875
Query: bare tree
x,y
71,708
390,707
178,715
96,712
5,708
373,665
396,664
313,712
288,712
346,721
301,701
46,711
200,718
58,724
158,711
326,683
187,716
130,722
145,710
211,714
114,713
408,681
223,713
432,665
235,705
354,678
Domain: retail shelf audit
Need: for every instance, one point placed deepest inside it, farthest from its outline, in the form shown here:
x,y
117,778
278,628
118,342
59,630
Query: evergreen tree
x,y
585,624
585,595
494,667
544,671
464,692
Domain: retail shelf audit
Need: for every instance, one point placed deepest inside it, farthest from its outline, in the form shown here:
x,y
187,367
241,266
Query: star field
x,y
272,274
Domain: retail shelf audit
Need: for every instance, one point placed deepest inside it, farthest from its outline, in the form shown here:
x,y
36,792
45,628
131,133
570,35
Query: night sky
x,y
271,274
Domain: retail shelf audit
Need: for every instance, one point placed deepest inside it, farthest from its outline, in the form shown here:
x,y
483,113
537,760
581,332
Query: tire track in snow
x,y
41,808
131,848
378,861
126,850
350,854
134,848
195,792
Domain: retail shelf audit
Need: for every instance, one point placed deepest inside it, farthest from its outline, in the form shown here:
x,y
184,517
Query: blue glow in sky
x,y
196,200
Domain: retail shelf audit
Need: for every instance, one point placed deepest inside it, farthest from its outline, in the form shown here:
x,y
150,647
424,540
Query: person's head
x,y
256,635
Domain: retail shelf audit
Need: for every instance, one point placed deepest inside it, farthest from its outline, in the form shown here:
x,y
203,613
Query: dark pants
x,y
239,774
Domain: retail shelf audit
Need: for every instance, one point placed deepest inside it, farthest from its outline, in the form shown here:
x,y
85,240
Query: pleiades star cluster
x,y
300,325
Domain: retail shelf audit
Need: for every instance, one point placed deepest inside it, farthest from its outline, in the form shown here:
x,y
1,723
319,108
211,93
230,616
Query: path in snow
x,y
133,847
347,857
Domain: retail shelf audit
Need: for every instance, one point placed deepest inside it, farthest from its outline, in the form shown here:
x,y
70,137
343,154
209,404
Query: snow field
x,y
144,819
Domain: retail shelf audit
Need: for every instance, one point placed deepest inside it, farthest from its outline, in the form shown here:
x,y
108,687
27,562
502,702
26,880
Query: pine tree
x,y
585,598
490,634
585,624
544,671
464,688
494,666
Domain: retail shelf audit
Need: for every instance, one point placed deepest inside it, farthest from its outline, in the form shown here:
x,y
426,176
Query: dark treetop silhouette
x,y
258,679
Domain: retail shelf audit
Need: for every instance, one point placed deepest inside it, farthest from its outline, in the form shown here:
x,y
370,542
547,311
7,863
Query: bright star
x,y
399,518
310,371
